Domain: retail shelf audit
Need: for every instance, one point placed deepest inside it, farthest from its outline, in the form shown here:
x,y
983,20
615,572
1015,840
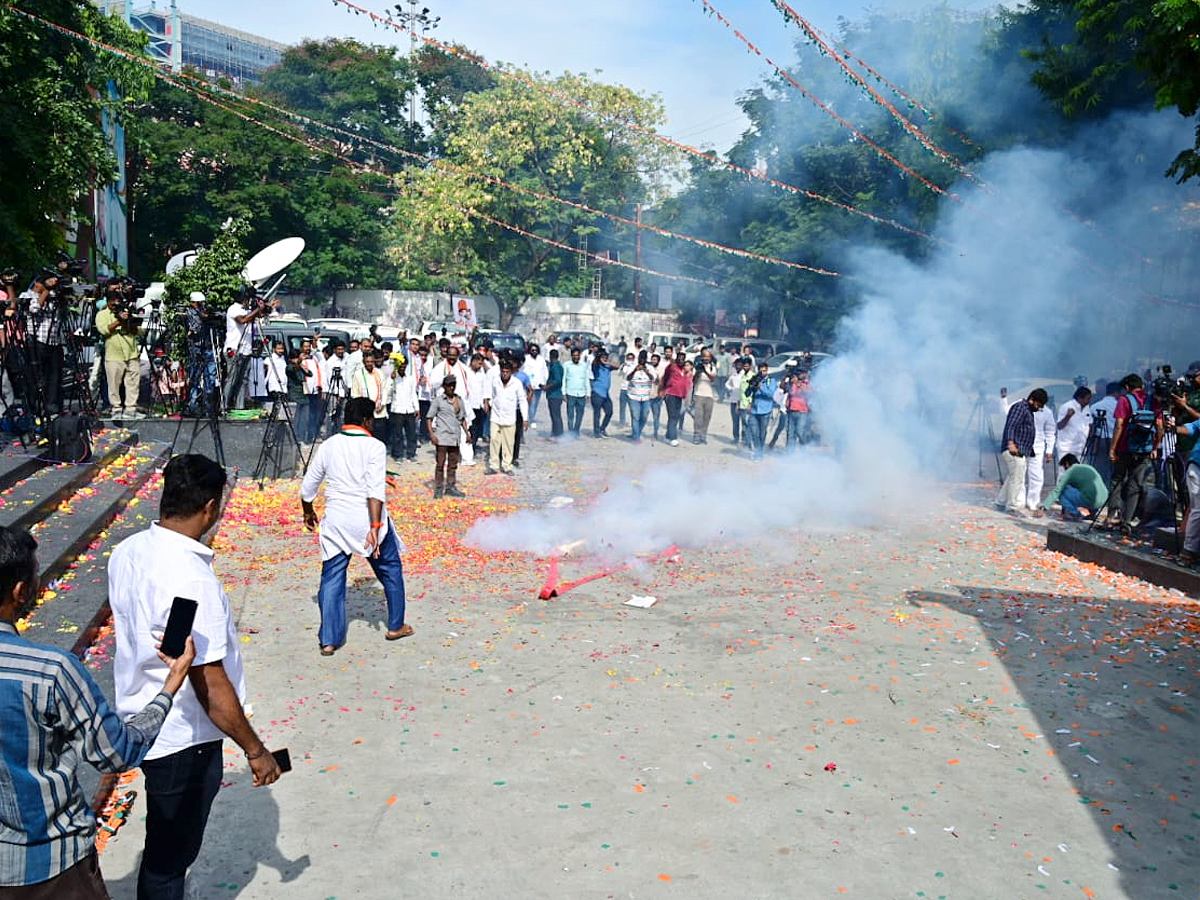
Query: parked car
x,y
441,329
780,362
579,337
501,340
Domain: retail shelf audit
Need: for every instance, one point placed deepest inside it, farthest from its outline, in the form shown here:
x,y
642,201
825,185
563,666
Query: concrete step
x,y
68,508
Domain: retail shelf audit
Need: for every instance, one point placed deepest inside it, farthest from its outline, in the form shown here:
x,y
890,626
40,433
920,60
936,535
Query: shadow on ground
x,y
230,858
1113,684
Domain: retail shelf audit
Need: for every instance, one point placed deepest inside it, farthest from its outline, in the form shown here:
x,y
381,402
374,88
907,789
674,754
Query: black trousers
x,y
517,438
404,436
555,405
180,790
50,368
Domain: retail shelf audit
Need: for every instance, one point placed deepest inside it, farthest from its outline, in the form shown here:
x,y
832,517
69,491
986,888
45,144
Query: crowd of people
x,y
1131,455
430,391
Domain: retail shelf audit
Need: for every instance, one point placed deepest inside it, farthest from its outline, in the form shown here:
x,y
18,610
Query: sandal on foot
x,y
403,632
328,650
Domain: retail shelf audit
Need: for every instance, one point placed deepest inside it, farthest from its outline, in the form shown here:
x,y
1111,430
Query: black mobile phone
x,y
283,759
179,626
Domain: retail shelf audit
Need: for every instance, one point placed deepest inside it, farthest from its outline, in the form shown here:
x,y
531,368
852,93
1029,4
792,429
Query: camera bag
x,y
70,437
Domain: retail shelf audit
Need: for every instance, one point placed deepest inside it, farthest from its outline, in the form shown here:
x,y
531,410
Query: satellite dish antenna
x,y
272,260
181,260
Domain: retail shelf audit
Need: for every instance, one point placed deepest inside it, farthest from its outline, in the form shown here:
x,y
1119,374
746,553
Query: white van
x,y
662,339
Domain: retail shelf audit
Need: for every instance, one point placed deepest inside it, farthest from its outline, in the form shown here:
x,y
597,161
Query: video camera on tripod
x,y
122,295
1166,386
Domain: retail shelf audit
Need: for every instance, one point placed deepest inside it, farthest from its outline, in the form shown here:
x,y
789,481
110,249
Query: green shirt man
x,y
120,339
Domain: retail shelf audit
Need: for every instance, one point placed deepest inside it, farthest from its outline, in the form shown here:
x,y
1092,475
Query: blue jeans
x,y
332,595
797,429
600,406
202,373
1071,499
655,411
180,789
638,410
534,404
759,422
575,408
674,416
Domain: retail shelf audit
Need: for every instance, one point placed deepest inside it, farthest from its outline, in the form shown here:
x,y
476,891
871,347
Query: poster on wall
x,y
464,312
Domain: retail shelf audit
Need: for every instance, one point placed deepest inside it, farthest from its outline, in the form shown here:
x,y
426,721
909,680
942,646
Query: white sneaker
x,y
674,443
533,424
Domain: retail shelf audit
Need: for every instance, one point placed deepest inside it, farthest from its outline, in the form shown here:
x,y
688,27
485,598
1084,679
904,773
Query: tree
x,y
199,165
216,273
551,148
1094,56
53,89
363,89
194,166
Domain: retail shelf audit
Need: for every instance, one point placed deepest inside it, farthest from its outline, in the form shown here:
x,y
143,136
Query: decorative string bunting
x,y
707,156
814,36
825,108
205,92
601,259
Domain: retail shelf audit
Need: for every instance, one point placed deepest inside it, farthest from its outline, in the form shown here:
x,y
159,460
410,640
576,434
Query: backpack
x,y
1142,429
70,439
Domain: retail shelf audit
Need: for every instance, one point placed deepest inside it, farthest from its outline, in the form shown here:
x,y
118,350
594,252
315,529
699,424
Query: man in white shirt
x,y
451,365
1074,424
275,371
403,409
538,371
314,392
1045,433
239,344
183,769
507,399
353,465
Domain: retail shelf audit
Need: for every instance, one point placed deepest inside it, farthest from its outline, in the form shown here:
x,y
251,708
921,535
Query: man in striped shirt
x,y
52,715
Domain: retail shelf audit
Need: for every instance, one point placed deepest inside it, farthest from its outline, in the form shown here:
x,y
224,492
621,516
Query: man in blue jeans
x,y
576,387
1080,490
353,465
761,390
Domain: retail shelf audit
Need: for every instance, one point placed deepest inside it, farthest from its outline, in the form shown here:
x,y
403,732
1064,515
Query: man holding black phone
x,y
146,574
52,717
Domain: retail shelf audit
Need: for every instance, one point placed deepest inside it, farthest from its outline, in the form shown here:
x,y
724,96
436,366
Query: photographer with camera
x,y
46,312
202,361
1138,430
239,343
760,389
118,326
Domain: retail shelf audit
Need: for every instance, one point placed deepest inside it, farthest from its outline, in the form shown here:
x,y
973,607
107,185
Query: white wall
x,y
540,317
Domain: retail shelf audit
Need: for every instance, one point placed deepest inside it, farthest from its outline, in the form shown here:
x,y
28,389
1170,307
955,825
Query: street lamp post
x,y
413,20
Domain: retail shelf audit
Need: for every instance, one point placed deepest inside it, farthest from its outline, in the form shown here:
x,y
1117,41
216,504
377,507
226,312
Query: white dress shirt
x,y
1072,437
506,400
145,574
353,465
404,394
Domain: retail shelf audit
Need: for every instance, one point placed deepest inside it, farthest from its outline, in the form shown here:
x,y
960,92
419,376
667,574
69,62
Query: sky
x,y
669,47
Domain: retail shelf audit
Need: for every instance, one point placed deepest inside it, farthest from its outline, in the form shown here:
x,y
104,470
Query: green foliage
x,y
940,59
53,89
1094,56
216,273
537,142
197,165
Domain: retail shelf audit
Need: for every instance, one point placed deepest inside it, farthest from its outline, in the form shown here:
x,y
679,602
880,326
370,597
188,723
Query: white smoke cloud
x,y
1054,268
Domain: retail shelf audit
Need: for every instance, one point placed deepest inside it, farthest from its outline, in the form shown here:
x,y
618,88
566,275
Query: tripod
x,y
335,400
273,447
985,435
1095,451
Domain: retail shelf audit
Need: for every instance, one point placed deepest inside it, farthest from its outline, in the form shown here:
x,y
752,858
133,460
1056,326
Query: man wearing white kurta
x,y
353,465
1045,430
